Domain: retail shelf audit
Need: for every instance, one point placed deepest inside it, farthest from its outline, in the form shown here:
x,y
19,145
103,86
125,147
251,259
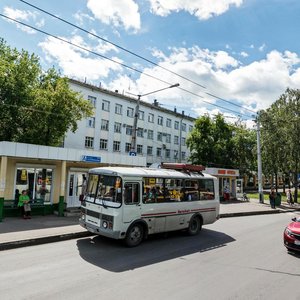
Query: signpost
x,y
93,159
132,153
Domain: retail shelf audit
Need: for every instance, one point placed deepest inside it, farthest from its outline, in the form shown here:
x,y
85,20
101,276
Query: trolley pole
x,y
259,164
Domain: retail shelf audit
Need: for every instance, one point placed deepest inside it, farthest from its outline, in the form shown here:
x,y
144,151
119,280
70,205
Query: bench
x,y
11,209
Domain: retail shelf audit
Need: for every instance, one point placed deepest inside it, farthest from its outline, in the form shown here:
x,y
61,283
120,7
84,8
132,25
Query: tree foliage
x,y
213,142
280,131
35,107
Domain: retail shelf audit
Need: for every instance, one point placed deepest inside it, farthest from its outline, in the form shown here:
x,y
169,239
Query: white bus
x,y
131,203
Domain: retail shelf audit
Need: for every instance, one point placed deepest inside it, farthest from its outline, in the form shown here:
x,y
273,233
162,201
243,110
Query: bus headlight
x,y
104,224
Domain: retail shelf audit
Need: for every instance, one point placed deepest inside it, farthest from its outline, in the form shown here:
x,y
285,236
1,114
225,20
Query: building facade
x,y
160,136
56,174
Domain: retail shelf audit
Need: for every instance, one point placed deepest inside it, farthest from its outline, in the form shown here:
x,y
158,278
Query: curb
x,y
43,240
250,213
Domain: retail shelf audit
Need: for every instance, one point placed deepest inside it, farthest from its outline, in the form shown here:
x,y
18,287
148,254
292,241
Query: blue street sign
x,y
132,153
94,159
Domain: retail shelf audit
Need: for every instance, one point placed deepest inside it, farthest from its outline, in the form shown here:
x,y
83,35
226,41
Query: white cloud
x,y
23,16
262,47
75,62
244,54
81,17
217,59
254,86
117,13
202,9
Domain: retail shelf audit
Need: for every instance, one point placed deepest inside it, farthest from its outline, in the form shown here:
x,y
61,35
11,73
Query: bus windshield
x,y
102,189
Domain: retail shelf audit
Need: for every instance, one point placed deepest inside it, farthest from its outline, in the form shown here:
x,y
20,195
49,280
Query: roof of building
x,y
131,99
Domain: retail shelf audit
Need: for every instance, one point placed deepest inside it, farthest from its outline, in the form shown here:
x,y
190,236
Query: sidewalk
x,y
16,232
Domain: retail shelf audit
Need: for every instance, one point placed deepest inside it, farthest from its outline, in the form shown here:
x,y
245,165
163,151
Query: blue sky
x,y
243,51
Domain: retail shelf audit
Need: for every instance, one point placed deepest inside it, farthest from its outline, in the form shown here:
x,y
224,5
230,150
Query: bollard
x,y
61,206
1,208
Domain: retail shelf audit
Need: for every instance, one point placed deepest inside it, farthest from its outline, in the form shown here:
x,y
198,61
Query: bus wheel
x,y
134,235
195,225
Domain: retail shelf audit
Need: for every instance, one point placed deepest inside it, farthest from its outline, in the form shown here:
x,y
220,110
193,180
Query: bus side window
x,y
131,193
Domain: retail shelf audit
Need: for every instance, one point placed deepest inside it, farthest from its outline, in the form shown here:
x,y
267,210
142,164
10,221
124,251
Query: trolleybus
x,y
132,203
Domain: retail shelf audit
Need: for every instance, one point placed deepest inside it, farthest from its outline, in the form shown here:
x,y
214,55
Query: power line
x,y
134,54
107,41
123,65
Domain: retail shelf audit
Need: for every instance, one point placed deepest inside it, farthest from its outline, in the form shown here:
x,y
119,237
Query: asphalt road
x,y
235,258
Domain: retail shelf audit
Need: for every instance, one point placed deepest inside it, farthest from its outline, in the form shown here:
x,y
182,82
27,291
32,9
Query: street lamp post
x,y
259,164
136,114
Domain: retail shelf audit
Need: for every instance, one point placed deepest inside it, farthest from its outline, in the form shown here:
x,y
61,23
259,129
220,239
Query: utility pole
x,y
136,115
180,138
259,165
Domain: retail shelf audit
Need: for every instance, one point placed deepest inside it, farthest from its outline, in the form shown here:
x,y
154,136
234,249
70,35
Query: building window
x,y
38,182
151,118
168,138
89,142
176,139
118,109
159,136
92,100
183,141
141,115
117,127
190,128
175,154
183,155
116,146
91,122
105,105
139,149
160,120
169,123
127,147
149,150
130,112
183,127
176,125
168,153
103,144
158,152
150,135
104,124
140,132
129,130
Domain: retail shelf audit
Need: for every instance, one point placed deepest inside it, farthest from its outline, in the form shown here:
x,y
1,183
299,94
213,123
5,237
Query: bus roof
x,y
147,172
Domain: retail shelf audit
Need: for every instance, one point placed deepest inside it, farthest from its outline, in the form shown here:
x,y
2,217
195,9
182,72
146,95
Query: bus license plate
x,y
91,229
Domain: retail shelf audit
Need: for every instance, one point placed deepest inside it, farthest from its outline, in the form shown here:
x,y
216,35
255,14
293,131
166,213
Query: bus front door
x,y
76,182
132,202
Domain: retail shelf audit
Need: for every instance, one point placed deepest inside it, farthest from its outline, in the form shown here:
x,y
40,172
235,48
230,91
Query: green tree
x,y
36,107
280,136
213,142
245,150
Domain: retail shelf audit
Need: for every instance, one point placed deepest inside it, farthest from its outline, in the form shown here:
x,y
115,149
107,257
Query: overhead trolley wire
x,y
109,42
123,65
134,54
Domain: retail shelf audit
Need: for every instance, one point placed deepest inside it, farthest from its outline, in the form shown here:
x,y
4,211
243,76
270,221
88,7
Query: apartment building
x,y
160,136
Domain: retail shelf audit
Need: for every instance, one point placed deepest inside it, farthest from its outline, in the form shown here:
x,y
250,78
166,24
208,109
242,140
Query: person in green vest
x,y
24,205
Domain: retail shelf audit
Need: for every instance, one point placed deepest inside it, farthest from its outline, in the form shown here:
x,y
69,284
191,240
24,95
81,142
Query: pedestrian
x,y
272,197
226,193
17,196
289,197
24,205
